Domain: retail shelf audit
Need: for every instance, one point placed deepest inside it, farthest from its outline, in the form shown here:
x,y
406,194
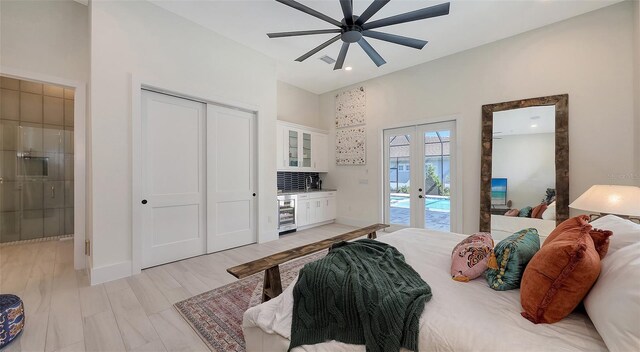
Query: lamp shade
x,y
607,199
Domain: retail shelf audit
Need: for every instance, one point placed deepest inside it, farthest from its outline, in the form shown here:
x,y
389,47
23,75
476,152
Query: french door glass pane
x,y
399,154
437,180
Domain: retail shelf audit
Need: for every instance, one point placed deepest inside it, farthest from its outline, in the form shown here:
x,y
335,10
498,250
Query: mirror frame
x,y
561,103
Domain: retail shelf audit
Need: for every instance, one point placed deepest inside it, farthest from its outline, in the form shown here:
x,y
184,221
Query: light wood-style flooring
x,y
65,313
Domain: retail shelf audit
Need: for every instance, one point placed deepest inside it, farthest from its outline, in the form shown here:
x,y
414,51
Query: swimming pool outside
x,y
432,203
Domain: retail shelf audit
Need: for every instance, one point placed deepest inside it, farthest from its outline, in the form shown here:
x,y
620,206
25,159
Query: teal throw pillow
x,y
525,212
511,258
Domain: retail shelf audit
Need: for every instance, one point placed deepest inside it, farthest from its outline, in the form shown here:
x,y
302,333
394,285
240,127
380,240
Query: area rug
x,y
216,315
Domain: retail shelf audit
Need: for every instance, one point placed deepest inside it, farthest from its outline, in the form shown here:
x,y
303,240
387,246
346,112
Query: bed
x,y
459,317
505,226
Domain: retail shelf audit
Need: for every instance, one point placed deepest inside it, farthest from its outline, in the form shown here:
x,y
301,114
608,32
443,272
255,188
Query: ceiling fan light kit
x,y
353,29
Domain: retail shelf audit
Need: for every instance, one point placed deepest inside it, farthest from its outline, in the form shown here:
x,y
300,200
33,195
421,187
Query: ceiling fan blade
x,y
371,10
373,54
433,11
341,56
396,39
347,10
318,48
297,33
298,6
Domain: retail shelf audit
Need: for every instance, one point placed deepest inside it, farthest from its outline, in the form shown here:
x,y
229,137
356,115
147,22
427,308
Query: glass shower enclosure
x,y
36,160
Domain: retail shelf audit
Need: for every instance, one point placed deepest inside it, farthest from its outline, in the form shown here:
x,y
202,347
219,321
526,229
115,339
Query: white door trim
x,y
457,223
80,261
139,82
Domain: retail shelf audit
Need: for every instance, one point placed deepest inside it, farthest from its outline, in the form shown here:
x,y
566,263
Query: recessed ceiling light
x,y
348,68
534,125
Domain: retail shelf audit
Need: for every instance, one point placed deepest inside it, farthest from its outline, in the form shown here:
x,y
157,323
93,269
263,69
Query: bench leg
x,y
372,235
272,286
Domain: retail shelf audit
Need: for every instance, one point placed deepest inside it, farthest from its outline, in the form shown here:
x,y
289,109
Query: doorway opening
x,y
36,161
419,176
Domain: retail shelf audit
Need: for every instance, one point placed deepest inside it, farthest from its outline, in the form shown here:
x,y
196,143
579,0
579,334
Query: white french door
x,y
419,176
198,178
231,178
173,174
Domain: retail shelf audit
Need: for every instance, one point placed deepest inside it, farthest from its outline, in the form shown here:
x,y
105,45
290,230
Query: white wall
x,y
527,161
142,39
299,106
46,37
637,88
590,57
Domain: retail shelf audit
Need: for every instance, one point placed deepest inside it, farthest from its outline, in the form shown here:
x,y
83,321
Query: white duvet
x,y
460,316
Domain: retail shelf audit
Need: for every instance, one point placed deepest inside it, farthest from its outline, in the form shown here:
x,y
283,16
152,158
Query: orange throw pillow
x,y
560,274
600,237
536,213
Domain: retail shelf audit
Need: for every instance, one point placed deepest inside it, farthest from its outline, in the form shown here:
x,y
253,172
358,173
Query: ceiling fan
x,y
353,29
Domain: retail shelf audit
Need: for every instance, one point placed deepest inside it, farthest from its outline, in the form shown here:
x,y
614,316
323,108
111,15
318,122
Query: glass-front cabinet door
x,y
306,149
293,148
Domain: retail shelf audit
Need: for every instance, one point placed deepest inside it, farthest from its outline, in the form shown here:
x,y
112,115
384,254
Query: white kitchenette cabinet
x,y
316,208
301,148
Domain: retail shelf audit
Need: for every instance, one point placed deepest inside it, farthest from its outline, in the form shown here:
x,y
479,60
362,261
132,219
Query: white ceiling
x,y
470,23
531,120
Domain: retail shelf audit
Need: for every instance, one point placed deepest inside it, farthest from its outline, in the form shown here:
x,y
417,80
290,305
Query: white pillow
x,y
550,212
613,304
624,231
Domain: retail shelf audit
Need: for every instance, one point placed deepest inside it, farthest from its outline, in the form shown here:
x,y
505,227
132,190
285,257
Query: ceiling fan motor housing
x,y
351,33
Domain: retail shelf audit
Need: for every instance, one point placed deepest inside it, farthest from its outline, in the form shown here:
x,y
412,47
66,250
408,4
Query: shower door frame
x,y
79,145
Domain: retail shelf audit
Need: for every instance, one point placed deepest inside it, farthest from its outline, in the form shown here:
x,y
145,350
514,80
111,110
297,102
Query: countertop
x,y
313,190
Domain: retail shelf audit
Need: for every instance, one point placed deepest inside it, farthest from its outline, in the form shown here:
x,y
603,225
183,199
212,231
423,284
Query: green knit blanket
x,y
362,292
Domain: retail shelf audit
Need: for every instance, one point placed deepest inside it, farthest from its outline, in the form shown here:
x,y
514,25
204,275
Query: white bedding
x,y
505,226
460,316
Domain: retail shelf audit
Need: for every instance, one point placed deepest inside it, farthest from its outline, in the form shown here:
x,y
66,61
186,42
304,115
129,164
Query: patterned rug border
x,y
286,273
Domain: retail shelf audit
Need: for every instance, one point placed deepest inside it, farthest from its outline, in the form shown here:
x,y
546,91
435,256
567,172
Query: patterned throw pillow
x,y
561,273
525,212
469,257
509,259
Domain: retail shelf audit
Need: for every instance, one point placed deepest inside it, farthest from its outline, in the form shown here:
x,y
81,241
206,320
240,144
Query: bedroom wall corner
x,y
299,106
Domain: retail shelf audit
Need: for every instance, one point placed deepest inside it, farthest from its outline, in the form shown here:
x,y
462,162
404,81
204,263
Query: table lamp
x,y
623,201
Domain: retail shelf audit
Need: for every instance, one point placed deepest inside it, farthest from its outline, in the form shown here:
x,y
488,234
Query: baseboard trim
x,y
315,225
110,272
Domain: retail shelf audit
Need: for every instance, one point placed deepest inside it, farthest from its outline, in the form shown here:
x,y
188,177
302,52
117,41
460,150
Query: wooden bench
x,y
272,285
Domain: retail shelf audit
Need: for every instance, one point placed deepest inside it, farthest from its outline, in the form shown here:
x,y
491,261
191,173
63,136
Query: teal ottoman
x,y
11,318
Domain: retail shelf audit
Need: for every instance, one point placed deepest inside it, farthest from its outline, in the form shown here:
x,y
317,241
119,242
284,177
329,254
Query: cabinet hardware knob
x,y
254,194
420,196
144,201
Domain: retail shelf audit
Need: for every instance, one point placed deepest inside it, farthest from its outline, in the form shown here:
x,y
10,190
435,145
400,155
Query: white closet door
x,y
231,191
173,133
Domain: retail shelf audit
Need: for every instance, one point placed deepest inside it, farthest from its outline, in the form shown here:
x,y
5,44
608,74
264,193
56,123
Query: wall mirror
x,y
525,165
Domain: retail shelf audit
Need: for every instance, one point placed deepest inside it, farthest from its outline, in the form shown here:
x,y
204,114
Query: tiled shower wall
x,y
292,181
36,160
